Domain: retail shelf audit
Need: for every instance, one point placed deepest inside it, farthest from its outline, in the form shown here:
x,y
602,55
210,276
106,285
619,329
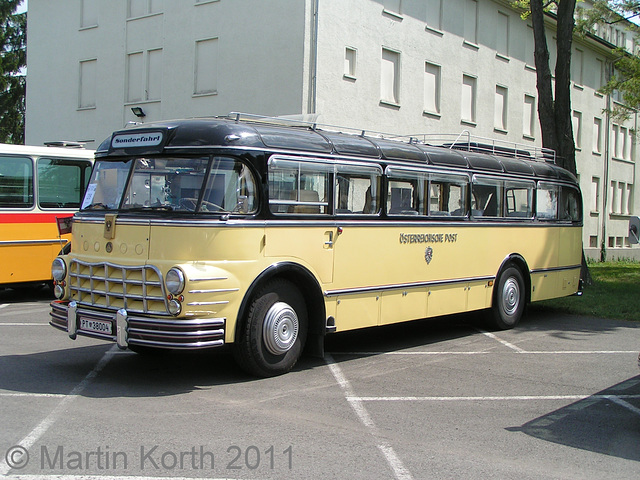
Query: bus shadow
x,y
29,293
607,422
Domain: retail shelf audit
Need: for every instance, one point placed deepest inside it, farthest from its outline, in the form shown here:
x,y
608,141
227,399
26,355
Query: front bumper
x,y
125,330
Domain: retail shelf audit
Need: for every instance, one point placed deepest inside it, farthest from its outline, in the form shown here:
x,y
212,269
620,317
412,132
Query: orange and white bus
x,y
236,231
37,186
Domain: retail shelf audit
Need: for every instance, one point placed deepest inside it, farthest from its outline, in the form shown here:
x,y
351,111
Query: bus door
x,y
299,195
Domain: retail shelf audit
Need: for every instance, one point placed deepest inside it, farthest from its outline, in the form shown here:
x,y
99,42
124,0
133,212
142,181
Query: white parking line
x,y
28,441
503,342
399,470
3,305
24,324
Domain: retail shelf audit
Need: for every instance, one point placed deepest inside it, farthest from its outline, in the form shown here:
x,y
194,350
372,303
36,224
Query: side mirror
x,y
634,230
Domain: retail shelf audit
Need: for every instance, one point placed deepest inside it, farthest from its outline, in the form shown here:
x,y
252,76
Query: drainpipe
x,y
605,187
313,60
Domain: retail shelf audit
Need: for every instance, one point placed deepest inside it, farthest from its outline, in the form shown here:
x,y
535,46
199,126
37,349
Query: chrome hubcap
x,y
510,296
280,328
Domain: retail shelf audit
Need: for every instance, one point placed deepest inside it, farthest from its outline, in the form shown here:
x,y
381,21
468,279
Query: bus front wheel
x,y
274,332
509,299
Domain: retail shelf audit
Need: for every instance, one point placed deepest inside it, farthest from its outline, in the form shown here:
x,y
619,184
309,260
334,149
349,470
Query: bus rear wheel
x,y
508,300
274,332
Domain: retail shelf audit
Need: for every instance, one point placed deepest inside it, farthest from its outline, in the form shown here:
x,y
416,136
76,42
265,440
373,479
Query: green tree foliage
x,y
13,61
625,79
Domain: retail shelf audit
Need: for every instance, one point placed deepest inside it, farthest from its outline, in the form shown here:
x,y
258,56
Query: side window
x,y
231,187
487,197
61,183
357,190
519,199
16,182
547,201
448,196
298,187
571,205
406,192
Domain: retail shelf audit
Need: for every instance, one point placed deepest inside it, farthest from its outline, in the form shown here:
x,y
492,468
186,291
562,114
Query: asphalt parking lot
x,y
556,398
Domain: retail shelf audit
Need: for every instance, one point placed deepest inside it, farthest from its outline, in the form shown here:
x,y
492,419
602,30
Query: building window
x,y
350,57
500,109
390,77
530,61
88,80
140,8
471,22
593,241
88,13
529,116
597,135
206,67
599,75
468,110
629,199
432,85
615,201
434,15
577,67
392,6
595,194
577,129
144,76
502,35
617,145
622,190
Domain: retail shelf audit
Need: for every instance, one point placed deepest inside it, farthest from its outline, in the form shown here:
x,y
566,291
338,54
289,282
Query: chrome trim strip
x,y
205,279
200,304
10,243
382,288
192,345
218,290
555,269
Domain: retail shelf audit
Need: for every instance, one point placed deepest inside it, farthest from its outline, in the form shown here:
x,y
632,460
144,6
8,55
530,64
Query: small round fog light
x,y
58,291
174,307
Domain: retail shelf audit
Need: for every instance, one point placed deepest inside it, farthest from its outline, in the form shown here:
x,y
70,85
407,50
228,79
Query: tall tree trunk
x,y
543,77
565,147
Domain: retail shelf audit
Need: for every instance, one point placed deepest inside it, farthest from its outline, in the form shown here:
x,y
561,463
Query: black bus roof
x,y
186,136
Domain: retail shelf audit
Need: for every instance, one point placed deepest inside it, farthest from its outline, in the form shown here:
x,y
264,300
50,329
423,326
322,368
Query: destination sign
x,y
133,140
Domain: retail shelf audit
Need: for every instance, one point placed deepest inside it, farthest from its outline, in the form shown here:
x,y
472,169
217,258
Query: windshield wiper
x,y
150,208
97,206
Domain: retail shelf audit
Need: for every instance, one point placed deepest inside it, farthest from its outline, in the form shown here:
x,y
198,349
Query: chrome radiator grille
x,y
137,288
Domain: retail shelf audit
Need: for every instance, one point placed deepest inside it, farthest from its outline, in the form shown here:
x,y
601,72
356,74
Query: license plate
x,y
97,326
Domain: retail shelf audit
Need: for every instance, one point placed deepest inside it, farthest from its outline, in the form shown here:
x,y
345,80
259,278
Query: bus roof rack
x,y
463,141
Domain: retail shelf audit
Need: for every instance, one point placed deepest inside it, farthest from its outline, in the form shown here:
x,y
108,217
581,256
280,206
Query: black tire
x,y
274,330
509,299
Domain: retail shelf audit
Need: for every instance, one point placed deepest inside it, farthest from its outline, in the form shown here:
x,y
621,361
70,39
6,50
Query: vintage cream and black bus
x,y
206,232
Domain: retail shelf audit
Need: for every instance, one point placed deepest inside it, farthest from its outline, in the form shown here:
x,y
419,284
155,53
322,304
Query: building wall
x,y
398,66
90,61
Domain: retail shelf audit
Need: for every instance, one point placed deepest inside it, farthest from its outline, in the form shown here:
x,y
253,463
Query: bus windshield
x,y
183,184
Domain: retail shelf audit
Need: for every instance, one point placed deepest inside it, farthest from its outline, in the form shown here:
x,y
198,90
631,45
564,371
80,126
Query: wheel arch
x,y
309,288
521,264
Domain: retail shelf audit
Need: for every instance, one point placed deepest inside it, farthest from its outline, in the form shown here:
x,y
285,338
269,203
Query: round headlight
x,y
175,281
59,269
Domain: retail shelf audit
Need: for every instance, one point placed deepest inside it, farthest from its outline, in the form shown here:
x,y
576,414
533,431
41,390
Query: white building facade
x,y
398,66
